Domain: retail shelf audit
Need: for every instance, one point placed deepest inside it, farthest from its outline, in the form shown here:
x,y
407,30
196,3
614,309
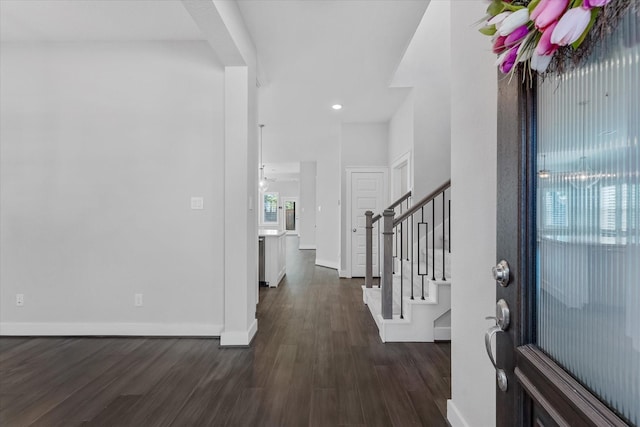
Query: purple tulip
x,y
545,47
517,35
548,11
509,60
571,26
595,3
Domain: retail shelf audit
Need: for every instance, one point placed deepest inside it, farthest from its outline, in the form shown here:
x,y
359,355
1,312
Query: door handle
x,y
502,323
354,230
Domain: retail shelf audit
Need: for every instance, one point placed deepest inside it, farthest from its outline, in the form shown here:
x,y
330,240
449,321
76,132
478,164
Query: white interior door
x,y
367,194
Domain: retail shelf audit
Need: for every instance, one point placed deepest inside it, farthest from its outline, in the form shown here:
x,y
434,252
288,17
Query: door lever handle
x,y
501,375
501,324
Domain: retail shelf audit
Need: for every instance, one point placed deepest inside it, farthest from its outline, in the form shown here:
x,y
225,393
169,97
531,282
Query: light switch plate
x,y
197,203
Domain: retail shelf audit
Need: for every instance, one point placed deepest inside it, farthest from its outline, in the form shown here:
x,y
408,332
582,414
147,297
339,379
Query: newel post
x,y
368,272
387,264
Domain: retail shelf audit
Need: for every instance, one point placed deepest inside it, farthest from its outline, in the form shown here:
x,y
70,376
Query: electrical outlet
x,y
137,300
19,300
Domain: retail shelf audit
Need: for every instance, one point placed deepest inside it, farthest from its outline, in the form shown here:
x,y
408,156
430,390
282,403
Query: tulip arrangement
x,y
532,31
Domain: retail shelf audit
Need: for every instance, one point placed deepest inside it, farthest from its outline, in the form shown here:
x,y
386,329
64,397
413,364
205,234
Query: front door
x,y
567,327
367,193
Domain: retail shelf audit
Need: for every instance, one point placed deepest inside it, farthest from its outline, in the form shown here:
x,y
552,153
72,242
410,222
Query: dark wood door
x,y
566,341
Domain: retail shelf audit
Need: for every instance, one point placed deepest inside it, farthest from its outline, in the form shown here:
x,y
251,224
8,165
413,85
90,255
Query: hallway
x,y
316,360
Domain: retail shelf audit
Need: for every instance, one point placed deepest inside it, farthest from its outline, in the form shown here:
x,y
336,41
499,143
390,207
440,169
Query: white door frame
x,y
385,201
404,159
284,214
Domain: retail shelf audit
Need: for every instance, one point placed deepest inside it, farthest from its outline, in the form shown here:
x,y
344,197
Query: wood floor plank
x,y
317,359
324,407
400,407
112,415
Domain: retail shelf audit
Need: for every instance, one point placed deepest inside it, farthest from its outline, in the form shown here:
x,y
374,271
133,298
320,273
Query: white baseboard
x,y
343,274
328,264
442,333
306,247
453,415
110,329
239,338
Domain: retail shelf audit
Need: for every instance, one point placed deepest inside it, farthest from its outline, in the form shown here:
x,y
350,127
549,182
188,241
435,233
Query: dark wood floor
x,y
316,360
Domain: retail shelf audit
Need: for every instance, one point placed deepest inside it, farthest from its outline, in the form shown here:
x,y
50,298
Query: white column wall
x,y
473,175
240,236
307,224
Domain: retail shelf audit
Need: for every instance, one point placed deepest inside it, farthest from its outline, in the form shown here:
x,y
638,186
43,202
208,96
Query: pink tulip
x,y
548,11
517,35
498,44
595,3
509,60
571,26
545,47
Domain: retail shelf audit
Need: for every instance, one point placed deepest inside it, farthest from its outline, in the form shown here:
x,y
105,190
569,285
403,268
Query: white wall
x,y
432,137
307,211
473,175
102,146
362,144
401,133
426,67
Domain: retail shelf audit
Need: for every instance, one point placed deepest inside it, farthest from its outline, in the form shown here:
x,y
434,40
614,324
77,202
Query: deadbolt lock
x,y
501,273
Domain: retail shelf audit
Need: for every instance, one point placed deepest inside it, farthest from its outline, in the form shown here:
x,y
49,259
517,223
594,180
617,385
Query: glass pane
x,y
270,208
588,221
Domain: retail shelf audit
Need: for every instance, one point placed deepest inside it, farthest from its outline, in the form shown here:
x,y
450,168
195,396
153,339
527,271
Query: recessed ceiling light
x,y
337,106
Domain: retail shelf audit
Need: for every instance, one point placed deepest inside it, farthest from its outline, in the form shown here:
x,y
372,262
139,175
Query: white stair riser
x,y
419,317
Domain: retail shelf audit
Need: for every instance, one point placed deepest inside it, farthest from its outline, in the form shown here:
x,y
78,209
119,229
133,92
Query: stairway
x,y
420,318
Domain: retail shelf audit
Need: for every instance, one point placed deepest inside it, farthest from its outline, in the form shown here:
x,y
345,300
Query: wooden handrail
x,y
400,200
375,218
413,209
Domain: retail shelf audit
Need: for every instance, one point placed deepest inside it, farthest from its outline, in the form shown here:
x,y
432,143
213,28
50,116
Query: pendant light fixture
x,y
583,177
544,173
263,184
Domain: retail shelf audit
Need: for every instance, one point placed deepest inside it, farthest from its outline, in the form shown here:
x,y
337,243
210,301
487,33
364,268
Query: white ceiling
x,y
286,171
315,53
95,20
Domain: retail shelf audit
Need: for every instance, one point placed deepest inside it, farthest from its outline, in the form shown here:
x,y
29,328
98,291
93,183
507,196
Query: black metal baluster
x,y
401,269
379,266
449,225
426,249
411,254
408,207
433,240
443,237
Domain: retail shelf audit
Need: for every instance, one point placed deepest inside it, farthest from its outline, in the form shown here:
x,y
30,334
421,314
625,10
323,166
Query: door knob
x,y
501,273
502,320
354,230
